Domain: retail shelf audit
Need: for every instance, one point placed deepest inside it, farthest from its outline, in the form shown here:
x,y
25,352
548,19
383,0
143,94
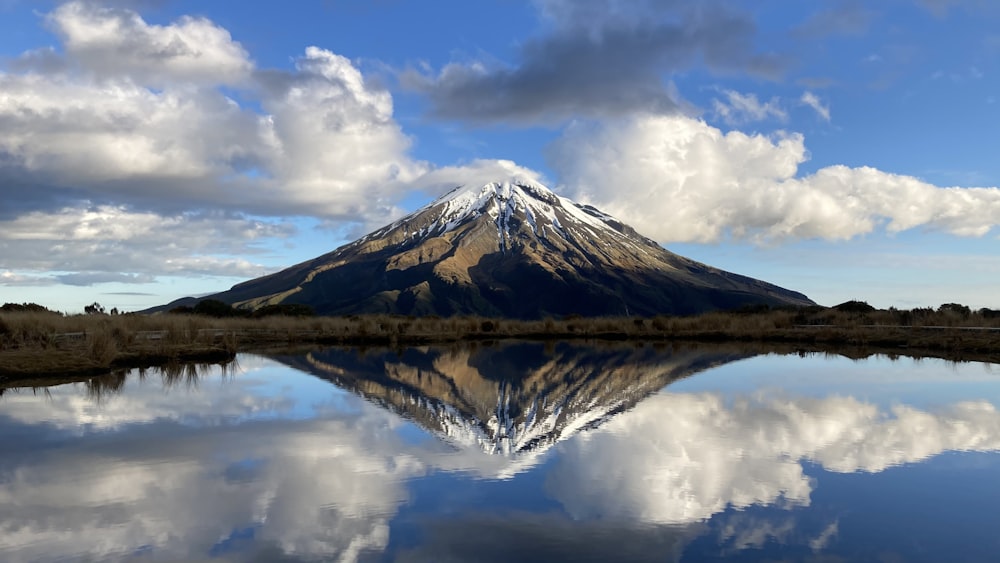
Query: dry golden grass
x,y
49,343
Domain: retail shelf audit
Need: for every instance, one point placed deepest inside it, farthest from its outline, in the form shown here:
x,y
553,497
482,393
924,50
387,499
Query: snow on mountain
x,y
510,248
505,204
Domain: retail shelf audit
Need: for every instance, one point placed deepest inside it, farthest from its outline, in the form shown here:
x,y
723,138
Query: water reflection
x,y
691,456
190,476
491,453
511,398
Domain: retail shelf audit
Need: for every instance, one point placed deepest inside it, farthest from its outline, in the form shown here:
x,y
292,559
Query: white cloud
x,y
813,101
82,134
476,173
118,42
676,178
332,142
132,113
128,119
14,279
129,127
693,455
743,108
108,243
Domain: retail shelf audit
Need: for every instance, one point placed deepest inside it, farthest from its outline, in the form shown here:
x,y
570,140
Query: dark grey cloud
x,y
599,58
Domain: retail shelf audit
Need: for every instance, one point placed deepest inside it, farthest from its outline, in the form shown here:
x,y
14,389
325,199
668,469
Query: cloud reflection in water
x,y
680,458
223,470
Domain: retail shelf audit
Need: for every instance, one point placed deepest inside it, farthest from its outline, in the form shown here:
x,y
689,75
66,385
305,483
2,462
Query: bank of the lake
x,y
39,344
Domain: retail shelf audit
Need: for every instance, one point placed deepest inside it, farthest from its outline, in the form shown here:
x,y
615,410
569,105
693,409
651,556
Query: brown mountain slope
x,y
511,249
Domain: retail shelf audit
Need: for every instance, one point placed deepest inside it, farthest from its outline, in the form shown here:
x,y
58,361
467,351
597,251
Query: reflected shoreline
x,y
748,348
171,375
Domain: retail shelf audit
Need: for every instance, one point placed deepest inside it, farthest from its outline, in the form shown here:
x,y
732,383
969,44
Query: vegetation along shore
x,y
38,343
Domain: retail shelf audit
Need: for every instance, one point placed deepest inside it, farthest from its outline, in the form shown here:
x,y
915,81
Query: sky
x,y
156,149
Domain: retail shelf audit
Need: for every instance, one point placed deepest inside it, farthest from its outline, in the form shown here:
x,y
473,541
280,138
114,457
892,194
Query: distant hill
x,y
507,249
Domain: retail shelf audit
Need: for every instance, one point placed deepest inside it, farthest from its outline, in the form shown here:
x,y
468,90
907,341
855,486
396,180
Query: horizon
x,y
153,150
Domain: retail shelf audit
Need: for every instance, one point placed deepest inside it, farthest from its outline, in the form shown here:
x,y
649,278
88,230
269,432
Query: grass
x,y
35,344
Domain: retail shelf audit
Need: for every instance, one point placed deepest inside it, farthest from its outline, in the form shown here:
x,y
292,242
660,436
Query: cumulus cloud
x,y
133,113
116,144
740,108
693,455
12,279
676,178
597,59
109,138
476,173
138,121
333,144
111,243
813,101
116,42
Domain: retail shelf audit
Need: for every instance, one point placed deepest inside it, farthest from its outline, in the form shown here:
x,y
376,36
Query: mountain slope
x,y
512,249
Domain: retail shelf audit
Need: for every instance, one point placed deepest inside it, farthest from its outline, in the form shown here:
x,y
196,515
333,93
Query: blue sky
x,y
152,149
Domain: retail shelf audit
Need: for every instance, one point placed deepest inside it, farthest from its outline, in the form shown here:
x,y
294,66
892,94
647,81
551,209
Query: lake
x,y
509,452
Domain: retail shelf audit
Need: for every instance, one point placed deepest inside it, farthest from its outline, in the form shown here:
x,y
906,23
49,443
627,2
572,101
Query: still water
x,y
510,452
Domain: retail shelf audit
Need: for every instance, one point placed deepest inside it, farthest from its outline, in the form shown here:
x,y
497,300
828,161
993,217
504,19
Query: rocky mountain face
x,y
507,249
512,398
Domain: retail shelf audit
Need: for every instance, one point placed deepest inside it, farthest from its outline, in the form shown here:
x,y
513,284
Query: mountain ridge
x,y
506,249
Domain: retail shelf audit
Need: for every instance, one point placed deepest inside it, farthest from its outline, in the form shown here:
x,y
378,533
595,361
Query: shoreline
x,y
94,354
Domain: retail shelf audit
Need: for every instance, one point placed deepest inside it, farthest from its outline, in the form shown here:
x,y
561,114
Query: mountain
x,y
512,398
507,249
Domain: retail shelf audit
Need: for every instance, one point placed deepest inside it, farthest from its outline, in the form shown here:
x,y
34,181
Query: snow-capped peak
x,y
544,211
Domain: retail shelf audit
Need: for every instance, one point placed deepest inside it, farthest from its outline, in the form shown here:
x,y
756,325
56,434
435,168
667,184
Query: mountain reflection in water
x,y
517,451
510,398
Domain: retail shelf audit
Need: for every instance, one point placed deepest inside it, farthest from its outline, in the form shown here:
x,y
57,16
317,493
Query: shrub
x,y
217,309
94,308
854,306
955,308
25,308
